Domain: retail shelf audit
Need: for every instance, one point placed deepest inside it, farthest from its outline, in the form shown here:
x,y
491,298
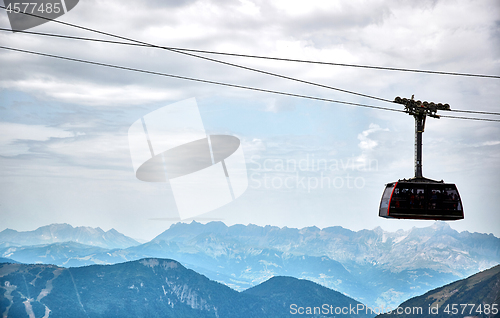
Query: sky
x,y
64,148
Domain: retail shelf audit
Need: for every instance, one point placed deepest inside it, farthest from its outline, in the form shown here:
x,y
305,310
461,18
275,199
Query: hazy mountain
x,y
372,266
56,233
437,247
300,297
385,267
7,260
481,290
148,288
63,254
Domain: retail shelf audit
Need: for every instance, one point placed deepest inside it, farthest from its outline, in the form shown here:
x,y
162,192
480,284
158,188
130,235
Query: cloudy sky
x,y
64,147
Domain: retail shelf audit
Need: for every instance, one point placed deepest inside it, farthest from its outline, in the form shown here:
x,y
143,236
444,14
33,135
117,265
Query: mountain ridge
x,y
292,239
149,287
372,266
478,291
63,232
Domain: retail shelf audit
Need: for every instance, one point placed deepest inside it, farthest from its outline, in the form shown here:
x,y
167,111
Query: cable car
x,y
419,197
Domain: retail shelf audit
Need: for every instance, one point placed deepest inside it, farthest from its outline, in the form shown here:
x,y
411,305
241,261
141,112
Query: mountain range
x,y
156,288
56,233
374,267
475,296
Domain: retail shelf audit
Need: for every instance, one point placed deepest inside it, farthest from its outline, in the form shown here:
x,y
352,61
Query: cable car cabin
x,y
419,197
407,199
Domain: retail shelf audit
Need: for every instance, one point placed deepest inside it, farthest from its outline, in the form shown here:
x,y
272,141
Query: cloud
x,y
491,143
13,136
365,32
281,104
365,142
88,93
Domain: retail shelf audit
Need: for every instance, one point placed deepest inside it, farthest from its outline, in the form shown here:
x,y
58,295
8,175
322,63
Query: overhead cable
x,y
197,79
265,57
209,59
200,51
224,84
213,60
